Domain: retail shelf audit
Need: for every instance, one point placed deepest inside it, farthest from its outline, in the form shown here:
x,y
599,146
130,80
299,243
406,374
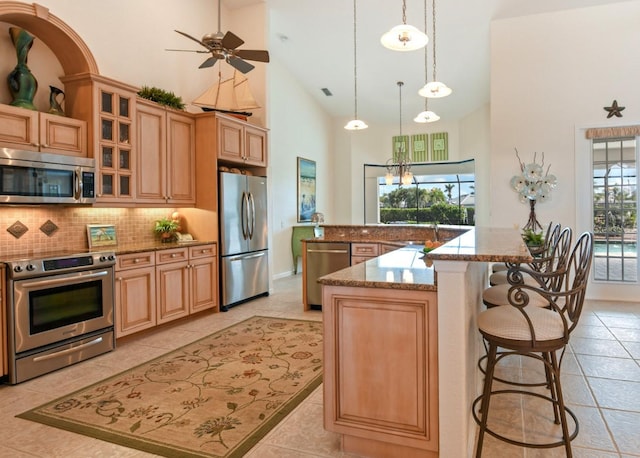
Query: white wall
x,y
549,74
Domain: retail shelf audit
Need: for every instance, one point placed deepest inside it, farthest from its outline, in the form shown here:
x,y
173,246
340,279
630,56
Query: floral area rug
x,y
216,397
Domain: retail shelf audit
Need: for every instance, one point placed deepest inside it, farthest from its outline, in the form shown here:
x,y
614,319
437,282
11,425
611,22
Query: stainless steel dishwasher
x,y
323,259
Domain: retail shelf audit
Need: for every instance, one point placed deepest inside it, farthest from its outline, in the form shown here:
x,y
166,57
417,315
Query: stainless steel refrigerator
x,y
244,265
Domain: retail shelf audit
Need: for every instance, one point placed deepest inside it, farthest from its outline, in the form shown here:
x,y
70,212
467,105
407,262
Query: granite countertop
x,y
404,268
124,248
484,244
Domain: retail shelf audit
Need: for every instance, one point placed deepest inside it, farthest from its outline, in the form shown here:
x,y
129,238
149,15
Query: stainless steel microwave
x,y
29,177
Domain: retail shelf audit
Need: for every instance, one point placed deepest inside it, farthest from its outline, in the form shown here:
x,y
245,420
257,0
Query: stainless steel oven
x,y
60,311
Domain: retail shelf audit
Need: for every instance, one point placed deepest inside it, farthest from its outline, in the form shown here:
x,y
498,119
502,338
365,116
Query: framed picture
x,y
101,235
306,189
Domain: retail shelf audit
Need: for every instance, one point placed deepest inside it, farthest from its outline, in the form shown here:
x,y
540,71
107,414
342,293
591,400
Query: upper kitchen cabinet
x,y
31,130
241,143
109,107
166,149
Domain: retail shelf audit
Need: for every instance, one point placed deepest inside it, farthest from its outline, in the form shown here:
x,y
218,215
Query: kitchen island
x,y
401,346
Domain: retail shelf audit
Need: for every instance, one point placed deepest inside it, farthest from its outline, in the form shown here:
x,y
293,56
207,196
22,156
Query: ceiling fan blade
x,y
252,54
210,62
188,50
231,41
192,38
239,64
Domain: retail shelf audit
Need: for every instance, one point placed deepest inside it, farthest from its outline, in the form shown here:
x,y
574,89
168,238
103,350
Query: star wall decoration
x,y
614,110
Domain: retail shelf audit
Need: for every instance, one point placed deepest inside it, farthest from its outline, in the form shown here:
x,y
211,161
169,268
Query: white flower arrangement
x,y
533,183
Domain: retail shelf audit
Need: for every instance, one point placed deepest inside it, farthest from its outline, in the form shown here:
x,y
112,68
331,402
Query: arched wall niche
x,y
68,47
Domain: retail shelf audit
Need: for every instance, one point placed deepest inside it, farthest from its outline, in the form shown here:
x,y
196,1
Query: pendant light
x,y
400,162
355,123
404,37
426,115
434,89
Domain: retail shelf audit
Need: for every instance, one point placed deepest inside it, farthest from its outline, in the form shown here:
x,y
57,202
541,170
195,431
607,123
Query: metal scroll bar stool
x,y
549,277
542,262
541,333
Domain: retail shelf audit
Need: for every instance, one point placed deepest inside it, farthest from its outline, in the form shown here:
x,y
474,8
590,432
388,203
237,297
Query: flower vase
x,y
166,237
22,84
55,107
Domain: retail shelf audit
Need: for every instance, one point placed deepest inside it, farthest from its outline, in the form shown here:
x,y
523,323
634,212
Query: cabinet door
x,y
18,127
135,300
62,135
255,141
230,141
151,154
181,157
3,325
172,284
204,283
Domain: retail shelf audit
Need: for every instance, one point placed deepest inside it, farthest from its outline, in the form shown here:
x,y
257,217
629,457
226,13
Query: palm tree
x,y
448,188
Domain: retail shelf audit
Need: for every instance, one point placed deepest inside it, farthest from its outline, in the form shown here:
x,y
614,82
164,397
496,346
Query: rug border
x,y
155,447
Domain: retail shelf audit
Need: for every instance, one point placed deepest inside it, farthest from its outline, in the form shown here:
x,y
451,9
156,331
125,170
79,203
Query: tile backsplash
x,y
133,225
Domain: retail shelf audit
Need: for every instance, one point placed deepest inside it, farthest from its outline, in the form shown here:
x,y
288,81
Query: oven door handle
x,y
68,350
85,276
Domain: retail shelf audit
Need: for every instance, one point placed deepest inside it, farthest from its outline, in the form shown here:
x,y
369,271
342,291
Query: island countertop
x,y
410,268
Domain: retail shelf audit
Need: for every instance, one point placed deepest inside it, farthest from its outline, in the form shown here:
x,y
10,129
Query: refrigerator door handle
x,y
243,215
242,258
251,215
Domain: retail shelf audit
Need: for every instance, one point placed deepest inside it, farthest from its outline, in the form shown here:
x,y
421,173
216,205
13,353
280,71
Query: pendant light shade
x,y
426,116
404,37
434,89
355,123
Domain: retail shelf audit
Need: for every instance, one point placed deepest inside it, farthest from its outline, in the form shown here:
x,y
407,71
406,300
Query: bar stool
x,y
503,267
523,329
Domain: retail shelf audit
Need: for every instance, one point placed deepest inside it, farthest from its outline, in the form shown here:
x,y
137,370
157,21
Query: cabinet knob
x,y
173,255
136,261
119,278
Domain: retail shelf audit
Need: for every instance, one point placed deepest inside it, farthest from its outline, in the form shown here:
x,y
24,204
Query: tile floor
x,y
601,380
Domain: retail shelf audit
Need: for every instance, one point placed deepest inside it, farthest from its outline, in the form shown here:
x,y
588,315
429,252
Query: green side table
x,y
298,234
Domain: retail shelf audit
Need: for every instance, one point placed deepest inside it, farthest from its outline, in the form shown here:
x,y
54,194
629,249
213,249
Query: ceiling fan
x,y
224,46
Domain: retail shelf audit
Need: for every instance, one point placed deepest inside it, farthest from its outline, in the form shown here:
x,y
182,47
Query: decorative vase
x,y
22,84
533,223
166,237
55,107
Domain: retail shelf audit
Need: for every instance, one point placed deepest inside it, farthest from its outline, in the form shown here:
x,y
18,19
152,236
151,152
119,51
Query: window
x,y
615,209
442,193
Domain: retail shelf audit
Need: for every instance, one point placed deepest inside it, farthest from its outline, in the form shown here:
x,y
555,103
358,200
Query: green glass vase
x,y
22,84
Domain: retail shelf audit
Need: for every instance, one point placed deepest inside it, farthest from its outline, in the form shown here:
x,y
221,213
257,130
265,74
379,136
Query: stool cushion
x,y
498,295
507,322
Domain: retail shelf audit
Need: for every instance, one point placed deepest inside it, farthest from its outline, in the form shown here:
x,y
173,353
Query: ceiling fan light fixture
x,y
356,124
435,90
426,116
404,37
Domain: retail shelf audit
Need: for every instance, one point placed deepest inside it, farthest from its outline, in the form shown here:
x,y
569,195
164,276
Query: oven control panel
x,y
26,268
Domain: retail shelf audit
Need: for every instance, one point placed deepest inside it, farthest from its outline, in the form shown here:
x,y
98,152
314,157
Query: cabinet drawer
x,y
135,260
202,251
359,259
172,255
364,249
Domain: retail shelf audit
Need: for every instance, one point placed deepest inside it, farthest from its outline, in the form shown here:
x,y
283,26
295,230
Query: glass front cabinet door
x,y
115,160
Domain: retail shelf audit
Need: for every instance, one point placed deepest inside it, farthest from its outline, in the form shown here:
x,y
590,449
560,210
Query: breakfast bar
x,y
401,345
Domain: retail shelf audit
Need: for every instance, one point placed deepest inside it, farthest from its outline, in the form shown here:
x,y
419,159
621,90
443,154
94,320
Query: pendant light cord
x,y
404,12
433,15
355,63
426,76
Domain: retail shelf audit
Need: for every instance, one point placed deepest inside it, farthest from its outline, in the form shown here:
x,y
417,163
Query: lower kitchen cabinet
x,y
186,281
135,293
156,287
362,252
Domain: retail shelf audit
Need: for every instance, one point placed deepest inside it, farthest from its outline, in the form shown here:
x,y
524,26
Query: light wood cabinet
x,y
109,109
388,248
361,252
381,370
25,129
135,293
4,357
241,143
186,281
166,151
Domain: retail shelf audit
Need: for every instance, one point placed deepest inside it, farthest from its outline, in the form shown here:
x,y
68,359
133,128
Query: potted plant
x,y
166,228
533,239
